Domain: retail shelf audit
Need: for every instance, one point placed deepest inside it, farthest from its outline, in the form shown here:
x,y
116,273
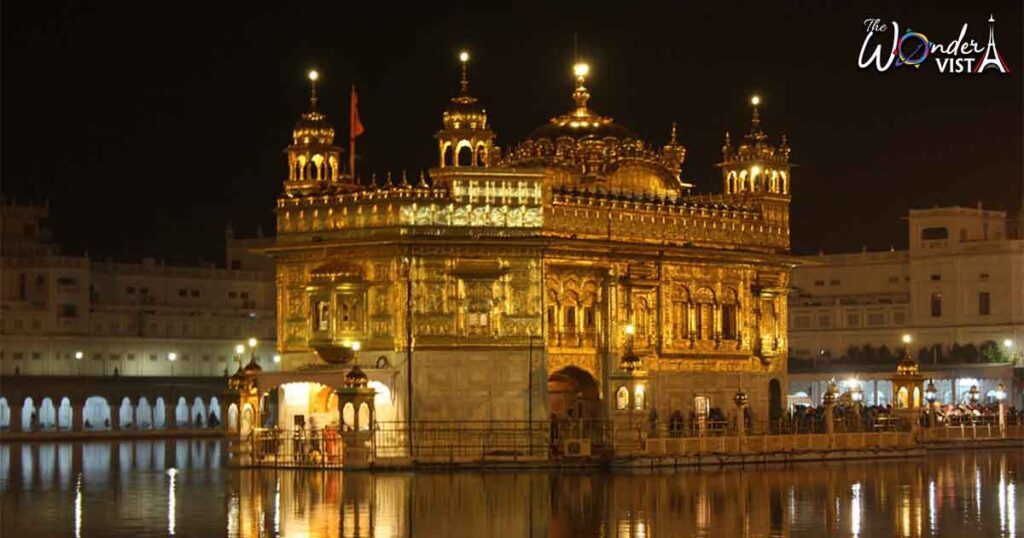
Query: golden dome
x,y
594,149
907,365
356,378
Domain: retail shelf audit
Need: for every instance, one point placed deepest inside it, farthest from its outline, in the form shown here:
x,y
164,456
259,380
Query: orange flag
x,y
355,129
356,126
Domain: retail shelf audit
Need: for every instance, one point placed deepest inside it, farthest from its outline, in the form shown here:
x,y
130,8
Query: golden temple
x,y
573,276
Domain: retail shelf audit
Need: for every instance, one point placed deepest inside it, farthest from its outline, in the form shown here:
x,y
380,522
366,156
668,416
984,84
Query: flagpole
x,y
351,135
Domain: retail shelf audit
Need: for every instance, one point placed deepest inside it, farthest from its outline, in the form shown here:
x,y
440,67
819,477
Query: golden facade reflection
x,y
105,489
881,498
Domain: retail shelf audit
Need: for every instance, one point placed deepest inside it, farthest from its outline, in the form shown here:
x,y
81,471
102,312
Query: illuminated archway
x,y
126,415
573,394
65,414
144,414
96,414
47,415
28,415
197,418
159,413
5,414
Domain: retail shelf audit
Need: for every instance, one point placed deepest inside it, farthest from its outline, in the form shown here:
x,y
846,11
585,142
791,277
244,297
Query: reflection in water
x,y
140,488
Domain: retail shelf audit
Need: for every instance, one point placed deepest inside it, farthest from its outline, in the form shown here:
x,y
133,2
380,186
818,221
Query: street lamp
x,y
171,357
930,395
252,343
856,396
972,394
79,355
277,358
1000,397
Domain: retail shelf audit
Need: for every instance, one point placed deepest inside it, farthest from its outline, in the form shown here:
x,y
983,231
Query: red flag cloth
x,y
355,126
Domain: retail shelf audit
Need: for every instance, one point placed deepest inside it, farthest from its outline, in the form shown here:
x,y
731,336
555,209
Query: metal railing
x,y
321,447
482,440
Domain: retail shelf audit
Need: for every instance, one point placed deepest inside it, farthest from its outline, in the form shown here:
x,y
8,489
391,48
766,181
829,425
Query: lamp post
x,y
829,399
972,395
171,357
1001,397
857,396
930,395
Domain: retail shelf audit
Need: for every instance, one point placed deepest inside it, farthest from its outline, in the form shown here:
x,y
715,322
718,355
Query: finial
x,y
313,77
464,59
755,122
672,137
387,181
423,180
581,95
405,180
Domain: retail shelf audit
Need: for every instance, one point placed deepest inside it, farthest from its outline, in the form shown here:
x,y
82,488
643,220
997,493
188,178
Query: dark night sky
x,y
149,126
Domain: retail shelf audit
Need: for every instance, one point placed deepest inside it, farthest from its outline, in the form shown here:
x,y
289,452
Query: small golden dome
x,y
356,378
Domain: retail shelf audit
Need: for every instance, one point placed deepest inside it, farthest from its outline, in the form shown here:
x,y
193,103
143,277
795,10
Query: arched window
x,y
570,320
622,398
348,416
639,397
705,315
448,155
681,314
321,316
364,417
465,156
729,317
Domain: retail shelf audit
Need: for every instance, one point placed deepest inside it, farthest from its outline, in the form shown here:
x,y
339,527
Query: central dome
x,y
590,150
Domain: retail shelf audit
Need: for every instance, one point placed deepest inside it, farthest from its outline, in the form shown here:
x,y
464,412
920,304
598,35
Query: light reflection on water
x,y
180,488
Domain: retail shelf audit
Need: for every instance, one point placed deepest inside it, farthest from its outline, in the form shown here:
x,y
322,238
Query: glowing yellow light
x,y
277,358
252,342
463,56
755,170
313,75
906,339
172,356
79,355
356,346
581,70
755,100
1008,343
630,329
239,349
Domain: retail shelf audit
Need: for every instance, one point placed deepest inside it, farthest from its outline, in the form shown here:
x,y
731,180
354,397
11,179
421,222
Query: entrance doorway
x,y
573,394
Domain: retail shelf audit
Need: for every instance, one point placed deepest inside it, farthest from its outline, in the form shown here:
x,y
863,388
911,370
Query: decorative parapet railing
x,y
662,220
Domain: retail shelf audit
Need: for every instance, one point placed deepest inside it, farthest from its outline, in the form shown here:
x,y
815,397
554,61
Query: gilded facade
x,y
502,282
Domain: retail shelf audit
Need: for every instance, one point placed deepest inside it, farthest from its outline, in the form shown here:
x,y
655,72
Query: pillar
x,y
170,407
115,415
77,414
16,409
829,418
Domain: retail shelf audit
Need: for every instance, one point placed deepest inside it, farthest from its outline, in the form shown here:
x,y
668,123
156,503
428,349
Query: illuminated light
x,y
171,501
755,171
297,393
1008,343
383,395
907,339
463,56
172,356
855,509
755,100
313,75
78,506
630,329
277,358
252,342
239,349
346,343
581,70
356,346
79,355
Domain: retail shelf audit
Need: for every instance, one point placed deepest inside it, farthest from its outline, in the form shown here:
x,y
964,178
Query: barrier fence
x,y
495,441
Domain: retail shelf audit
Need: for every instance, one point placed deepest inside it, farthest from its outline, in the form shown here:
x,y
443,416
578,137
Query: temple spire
x,y
313,77
672,137
464,82
581,95
755,121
